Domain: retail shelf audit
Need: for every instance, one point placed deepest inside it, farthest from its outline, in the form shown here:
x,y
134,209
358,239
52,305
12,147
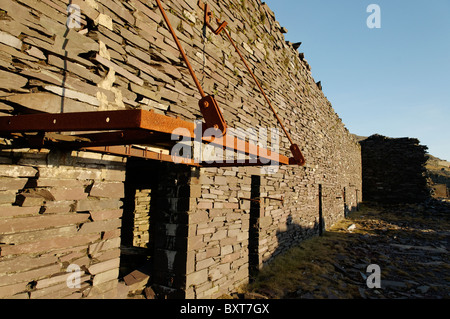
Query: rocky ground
x,y
409,243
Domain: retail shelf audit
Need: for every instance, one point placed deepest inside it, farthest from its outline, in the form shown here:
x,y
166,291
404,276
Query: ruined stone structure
x,y
201,231
440,191
394,170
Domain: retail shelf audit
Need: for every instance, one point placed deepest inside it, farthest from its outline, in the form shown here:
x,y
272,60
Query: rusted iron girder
x,y
132,151
113,128
94,121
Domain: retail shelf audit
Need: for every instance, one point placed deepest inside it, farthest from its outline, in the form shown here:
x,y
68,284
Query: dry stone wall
x,y
394,170
122,57
57,210
141,235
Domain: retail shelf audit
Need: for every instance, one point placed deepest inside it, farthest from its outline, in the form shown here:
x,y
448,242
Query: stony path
x,y
409,243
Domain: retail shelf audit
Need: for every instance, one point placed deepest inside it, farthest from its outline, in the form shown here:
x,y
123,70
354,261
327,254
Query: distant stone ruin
x,y
393,170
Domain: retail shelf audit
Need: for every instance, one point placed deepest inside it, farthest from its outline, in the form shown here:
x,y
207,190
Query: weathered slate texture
x,y
123,57
46,225
394,170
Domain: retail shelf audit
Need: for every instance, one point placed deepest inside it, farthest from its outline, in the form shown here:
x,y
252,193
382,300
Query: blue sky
x,y
394,80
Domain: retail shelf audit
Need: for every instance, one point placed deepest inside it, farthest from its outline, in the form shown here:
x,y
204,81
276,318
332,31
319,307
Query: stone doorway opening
x,y
255,214
155,226
136,245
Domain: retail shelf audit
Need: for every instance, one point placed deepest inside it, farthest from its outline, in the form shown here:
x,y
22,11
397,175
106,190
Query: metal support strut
x,y
298,156
208,105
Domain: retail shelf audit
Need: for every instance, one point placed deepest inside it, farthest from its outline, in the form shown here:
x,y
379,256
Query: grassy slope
x,y
334,265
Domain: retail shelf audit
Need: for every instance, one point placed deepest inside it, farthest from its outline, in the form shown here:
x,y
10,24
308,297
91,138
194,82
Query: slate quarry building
x,y
93,205
394,170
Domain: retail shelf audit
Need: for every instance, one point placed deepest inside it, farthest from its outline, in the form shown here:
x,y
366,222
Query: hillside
x,y
435,163
439,173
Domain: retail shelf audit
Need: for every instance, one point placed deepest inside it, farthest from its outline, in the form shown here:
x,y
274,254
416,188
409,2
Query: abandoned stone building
x,y
93,205
393,170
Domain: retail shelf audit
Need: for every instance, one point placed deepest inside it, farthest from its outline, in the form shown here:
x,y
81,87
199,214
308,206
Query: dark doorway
x,y
137,243
344,195
154,223
255,214
321,220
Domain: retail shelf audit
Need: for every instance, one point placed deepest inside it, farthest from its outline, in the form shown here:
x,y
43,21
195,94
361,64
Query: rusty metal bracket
x,y
208,15
212,115
295,149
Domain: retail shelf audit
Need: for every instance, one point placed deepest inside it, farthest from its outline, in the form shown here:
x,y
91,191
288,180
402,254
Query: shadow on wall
x,y
381,238
155,223
293,235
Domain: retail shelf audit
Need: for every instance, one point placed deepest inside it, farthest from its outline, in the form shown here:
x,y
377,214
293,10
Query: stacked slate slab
x,y
394,170
63,207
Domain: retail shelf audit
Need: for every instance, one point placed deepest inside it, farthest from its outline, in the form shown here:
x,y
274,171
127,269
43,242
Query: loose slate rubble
x,y
409,243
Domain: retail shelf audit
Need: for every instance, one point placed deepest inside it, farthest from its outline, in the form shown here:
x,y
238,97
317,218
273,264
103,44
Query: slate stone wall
x,y
394,170
122,57
59,209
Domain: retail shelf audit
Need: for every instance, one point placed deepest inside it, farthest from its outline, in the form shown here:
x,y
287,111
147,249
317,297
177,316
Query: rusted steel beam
x,y
83,121
126,137
239,163
165,124
94,121
131,151
262,156
124,127
247,148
